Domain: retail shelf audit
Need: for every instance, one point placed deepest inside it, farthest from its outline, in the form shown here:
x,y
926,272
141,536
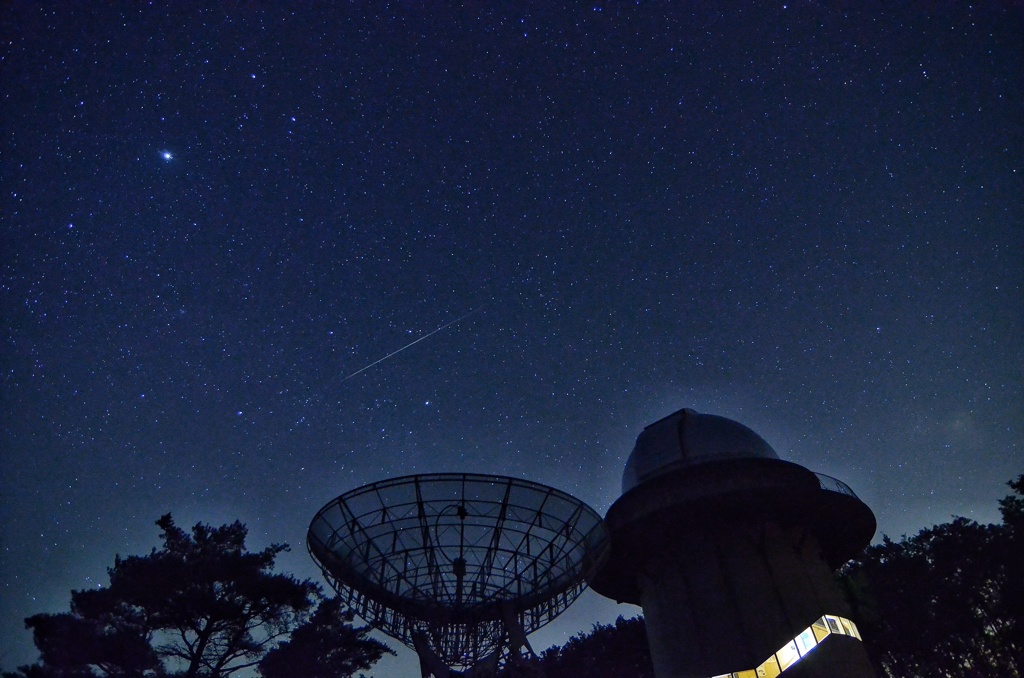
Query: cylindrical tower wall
x,y
727,596
730,551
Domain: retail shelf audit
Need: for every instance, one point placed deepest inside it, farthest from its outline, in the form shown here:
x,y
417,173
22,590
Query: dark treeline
x,y
947,602
200,605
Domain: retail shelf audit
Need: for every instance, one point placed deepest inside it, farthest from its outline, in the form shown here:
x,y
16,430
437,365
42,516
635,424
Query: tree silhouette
x,y
327,646
946,602
616,650
70,644
1011,603
201,605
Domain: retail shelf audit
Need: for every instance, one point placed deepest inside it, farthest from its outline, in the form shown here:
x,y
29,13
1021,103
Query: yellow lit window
x,y
794,650
833,624
787,655
769,669
849,627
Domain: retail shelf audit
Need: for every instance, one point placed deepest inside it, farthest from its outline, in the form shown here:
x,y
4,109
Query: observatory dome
x,y
687,438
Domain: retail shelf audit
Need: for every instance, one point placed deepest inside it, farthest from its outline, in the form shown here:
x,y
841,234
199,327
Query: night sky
x,y
803,216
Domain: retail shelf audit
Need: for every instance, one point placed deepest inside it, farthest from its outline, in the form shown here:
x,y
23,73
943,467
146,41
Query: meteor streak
x,y
448,324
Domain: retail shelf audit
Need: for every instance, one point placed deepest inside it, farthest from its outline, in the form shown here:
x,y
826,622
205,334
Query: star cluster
x,y
802,217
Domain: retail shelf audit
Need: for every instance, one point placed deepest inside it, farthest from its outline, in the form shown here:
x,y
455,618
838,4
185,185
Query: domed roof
x,y
687,438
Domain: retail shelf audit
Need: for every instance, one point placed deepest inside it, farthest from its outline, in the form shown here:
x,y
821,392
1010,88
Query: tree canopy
x,y
326,647
947,601
616,650
199,606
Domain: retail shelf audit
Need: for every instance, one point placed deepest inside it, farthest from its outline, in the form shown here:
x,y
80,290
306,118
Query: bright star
x,y
166,155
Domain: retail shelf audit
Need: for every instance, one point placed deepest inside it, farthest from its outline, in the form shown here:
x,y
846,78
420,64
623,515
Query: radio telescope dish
x,y
468,563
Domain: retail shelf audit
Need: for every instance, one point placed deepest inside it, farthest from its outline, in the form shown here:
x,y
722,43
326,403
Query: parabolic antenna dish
x,y
451,556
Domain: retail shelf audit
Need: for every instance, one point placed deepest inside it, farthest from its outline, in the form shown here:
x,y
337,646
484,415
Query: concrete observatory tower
x,y
730,551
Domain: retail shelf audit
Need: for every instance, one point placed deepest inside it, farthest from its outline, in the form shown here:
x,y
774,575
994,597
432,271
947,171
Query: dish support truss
x,y
458,559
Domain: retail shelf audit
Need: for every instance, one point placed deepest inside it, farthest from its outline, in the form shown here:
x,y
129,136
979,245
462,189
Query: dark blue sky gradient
x,y
804,217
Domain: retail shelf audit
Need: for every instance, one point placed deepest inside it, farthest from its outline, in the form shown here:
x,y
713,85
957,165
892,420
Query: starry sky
x,y
804,216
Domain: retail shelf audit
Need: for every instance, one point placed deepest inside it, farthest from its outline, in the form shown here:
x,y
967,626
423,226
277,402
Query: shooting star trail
x,y
412,343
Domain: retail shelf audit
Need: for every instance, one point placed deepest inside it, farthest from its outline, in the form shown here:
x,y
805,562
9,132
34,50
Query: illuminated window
x,y
787,655
850,628
806,641
820,629
833,624
769,669
796,649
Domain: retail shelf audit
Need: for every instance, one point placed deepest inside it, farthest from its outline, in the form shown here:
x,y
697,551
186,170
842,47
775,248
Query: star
x,y
167,155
